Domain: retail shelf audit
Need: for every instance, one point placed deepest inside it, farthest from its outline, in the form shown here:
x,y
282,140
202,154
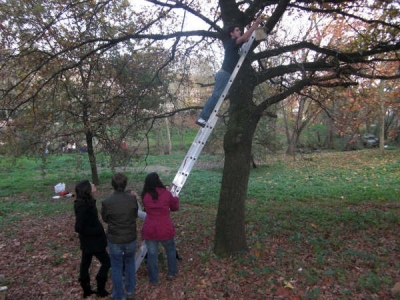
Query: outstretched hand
x,y
133,192
245,37
258,21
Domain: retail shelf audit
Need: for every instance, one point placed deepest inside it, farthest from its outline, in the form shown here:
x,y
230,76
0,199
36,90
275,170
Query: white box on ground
x,y
59,188
3,291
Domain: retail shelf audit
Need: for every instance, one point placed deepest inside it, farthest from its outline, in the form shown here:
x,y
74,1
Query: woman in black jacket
x,y
93,240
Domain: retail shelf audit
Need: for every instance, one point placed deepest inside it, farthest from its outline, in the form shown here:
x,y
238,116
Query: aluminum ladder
x,y
201,138
204,133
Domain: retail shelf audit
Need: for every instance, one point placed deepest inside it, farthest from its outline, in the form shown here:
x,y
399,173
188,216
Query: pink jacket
x,y
158,225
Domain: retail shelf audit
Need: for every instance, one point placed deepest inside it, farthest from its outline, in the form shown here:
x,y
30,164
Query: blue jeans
x,y
152,258
221,79
122,263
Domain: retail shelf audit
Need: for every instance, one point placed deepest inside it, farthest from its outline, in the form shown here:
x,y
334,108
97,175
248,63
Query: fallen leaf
x,y
288,284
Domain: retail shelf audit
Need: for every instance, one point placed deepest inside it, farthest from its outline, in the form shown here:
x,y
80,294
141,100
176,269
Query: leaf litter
x,y
40,259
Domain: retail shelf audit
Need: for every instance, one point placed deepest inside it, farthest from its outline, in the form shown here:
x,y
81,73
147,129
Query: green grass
x,y
334,215
317,180
180,138
348,177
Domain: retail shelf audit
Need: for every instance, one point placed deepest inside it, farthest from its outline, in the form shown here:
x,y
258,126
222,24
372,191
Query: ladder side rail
x,y
140,255
194,153
183,173
142,251
190,158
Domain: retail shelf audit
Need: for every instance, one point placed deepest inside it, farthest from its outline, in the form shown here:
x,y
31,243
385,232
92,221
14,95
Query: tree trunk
x,y
230,235
168,147
382,121
293,142
92,157
328,143
285,121
273,127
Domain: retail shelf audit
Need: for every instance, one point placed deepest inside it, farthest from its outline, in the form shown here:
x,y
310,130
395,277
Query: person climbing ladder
x,y
231,45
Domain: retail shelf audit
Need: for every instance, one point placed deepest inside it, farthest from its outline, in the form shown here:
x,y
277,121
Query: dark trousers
x,y
86,261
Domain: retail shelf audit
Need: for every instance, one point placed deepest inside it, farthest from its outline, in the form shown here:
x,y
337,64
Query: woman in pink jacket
x,y
158,202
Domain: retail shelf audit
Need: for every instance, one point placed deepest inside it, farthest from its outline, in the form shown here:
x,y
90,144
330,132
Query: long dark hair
x,y
83,191
152,182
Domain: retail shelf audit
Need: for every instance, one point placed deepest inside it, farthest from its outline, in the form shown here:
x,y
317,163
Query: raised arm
x,y
244,38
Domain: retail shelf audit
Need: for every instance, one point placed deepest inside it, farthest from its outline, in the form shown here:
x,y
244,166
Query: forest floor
x,y
40,260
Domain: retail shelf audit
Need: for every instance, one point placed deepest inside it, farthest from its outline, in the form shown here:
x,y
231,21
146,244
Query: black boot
x,y
101,287
85,284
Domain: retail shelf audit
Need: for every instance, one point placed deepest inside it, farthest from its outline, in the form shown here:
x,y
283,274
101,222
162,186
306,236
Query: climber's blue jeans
x,y
221,80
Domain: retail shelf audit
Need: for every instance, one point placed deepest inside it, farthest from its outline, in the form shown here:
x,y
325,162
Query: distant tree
x,y
104,97
305,111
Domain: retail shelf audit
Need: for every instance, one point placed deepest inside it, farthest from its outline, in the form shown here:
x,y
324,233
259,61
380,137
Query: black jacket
x,y
120,211
91,233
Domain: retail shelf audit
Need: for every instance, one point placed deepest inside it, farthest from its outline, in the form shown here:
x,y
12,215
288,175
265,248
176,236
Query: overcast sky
x,y
191,22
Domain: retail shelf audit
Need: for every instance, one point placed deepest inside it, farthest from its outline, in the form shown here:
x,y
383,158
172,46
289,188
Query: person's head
x,y
151,182
83,190
119,182
234,31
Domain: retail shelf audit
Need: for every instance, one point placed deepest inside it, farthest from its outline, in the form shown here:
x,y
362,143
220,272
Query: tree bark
x,y
328,142
382,121
230,233
92,157
293,142
285,121
168,147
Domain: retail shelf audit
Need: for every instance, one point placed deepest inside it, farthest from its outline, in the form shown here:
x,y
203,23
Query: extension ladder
x,y
204,133
201,138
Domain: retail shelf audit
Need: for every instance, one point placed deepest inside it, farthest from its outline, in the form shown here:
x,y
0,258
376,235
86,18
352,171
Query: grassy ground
x,y
320,226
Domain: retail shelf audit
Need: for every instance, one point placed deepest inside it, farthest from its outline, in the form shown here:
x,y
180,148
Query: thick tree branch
x,y
343,13
352,57
180,5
